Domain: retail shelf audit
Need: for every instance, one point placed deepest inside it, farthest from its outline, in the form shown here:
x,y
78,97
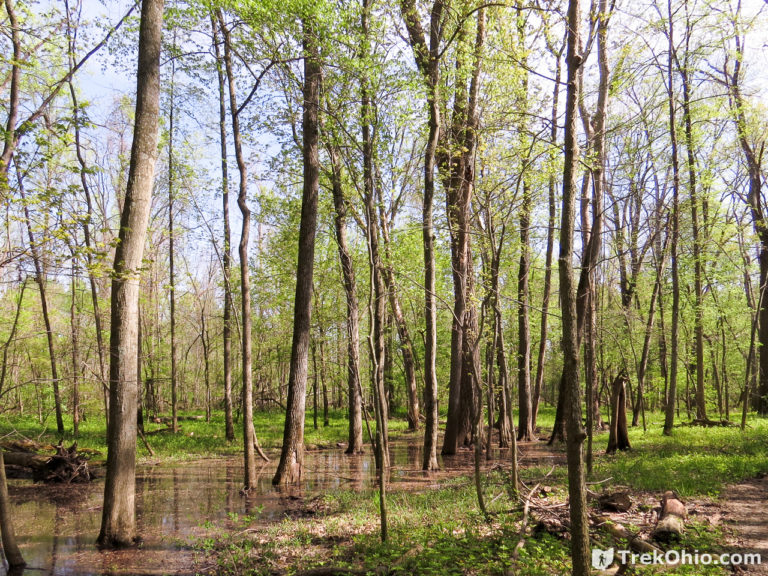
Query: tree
x,y
577,489
118,524
291,464
226,332
428,62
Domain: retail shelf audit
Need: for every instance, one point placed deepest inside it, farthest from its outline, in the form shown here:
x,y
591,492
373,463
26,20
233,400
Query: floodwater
x,y
179,503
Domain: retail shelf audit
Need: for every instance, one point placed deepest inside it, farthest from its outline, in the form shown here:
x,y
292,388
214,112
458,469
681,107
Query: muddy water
x,y
181,502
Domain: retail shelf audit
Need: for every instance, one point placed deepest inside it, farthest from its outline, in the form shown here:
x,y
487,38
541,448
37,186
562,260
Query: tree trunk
x,y
249,438
10,546
698,263
171,255
290,468
669,418
525,406
74,323
427,59
552,185
227,256
354,390
756,207
41,284
618,436
406,344
86,224
118,525
577,489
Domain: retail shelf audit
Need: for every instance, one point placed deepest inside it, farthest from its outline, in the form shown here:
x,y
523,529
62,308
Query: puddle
x,y
177,503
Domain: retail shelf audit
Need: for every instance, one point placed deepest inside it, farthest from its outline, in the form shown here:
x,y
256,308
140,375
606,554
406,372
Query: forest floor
x,y
744,510
435,525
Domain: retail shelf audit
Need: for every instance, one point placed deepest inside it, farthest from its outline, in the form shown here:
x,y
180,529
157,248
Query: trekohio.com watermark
x,y
602,559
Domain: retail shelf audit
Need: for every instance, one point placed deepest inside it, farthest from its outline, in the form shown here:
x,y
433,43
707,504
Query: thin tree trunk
x,y
41,284
427,57
290,468
249,438
525,407
698,263
11,336
74,323
171,255
669,418
551,186
354,392
118,525
227,256
756,207
577,489
406,344
86,224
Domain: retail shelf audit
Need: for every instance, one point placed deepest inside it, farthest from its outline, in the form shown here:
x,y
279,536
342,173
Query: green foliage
x,y
694,461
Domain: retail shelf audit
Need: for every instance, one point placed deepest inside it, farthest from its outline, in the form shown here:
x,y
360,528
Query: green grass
x,y
196,438
694,461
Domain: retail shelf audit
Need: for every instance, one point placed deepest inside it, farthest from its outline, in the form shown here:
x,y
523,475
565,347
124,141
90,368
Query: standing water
x,y
181,502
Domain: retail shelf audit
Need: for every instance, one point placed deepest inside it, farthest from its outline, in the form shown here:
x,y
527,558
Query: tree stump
x,y
618,438
671,522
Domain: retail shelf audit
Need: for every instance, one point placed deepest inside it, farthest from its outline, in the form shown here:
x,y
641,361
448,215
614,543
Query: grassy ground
x,y
196,439
441,531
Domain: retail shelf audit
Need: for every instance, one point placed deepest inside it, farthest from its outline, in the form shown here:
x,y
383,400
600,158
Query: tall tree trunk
x,y
756,207
669,418
427,57
354,390
291,464
577,489
249,438
74,323
551,187
41,284
525,407
89,248
118,525
698,263
406,344
227,256
171,255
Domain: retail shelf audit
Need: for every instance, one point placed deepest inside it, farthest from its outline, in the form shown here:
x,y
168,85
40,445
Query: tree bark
x,y
118,525
525,406
10,546
698,262
249,437
354,390
577,489
40,280
171,254
290,468
227,255
428,62
756,208
669,418
406,344
618,436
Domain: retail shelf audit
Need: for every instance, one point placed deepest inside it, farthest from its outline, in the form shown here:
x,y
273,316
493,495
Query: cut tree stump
x,y
618,437
671,522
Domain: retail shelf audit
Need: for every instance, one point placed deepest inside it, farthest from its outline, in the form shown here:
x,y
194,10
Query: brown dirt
x,y
744,510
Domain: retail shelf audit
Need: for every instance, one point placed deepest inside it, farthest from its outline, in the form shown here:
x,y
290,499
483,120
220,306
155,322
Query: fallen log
x,y
671,522
66,466
634,541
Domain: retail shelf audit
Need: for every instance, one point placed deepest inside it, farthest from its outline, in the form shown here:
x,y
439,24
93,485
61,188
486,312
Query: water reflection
x,y
176,503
